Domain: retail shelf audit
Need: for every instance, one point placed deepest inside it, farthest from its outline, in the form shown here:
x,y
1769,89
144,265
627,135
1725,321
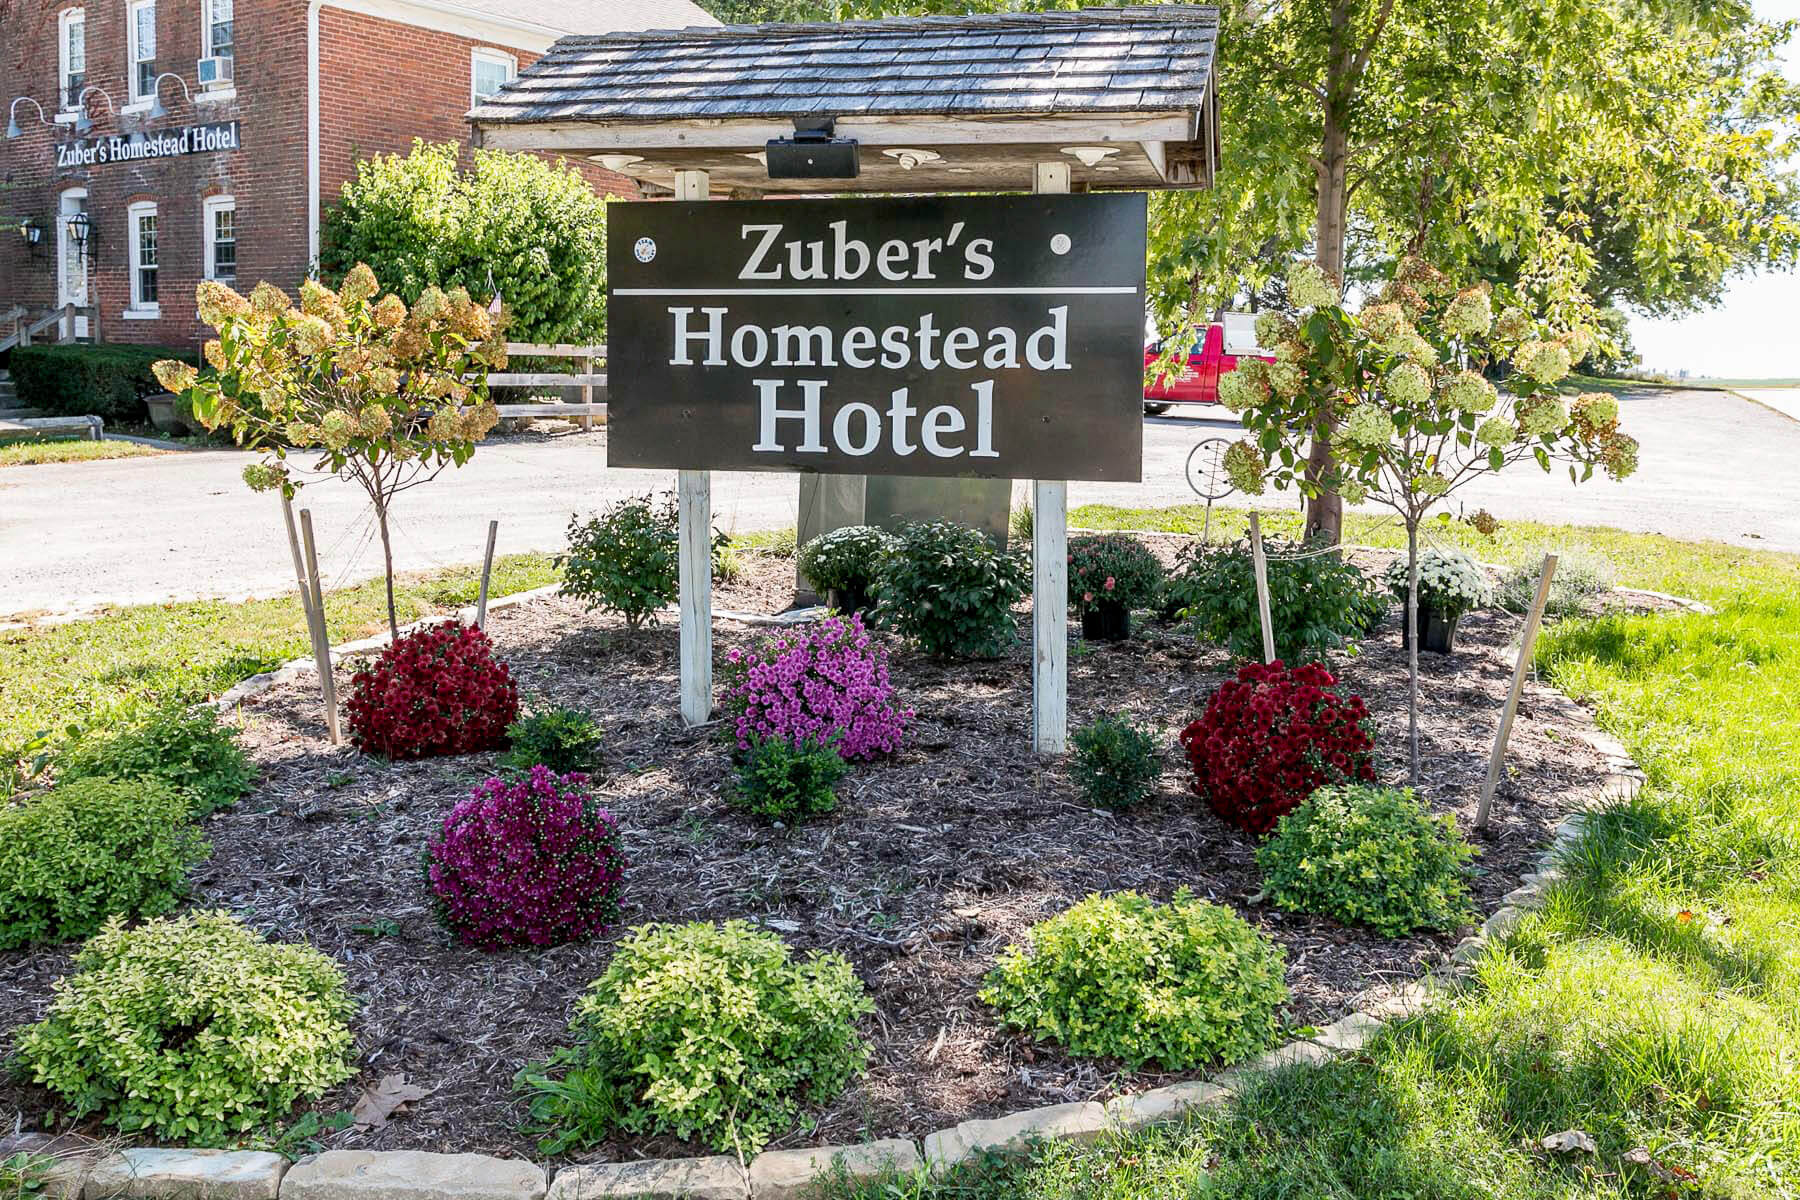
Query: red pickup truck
x,y
1215,353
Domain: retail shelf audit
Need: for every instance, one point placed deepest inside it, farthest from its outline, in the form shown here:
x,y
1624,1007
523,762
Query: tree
x,y
1404,382
378,389
513,224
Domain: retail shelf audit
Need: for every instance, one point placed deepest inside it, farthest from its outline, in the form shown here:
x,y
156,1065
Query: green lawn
x,y
59,450
52,676
1654,1003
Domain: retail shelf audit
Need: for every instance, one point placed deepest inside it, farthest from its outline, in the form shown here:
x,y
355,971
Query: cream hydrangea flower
x,y
1542,415
1272,328
1246,387
1310,287
1407,384
216,303
1430,484
430,305
1578,342
267,301
1353,491
1245,466
1546,362
359,285
375,421
1619,455
1497,432
302,433
1469,392
1290,350
174,375
1512,325
336,428
1368,426
390,312
311,335
265,477
1382,321
1286,379
1470,314
1595,413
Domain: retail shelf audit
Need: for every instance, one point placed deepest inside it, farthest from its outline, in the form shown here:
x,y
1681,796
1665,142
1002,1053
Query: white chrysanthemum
x,y
1368,426
1497,432
1469,392
1407,384
1310,287
1470,314
1449,580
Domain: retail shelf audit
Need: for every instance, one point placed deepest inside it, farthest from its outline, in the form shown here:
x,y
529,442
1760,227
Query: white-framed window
x,y
71,57
489,71
220,215
141,259
140,48
217,29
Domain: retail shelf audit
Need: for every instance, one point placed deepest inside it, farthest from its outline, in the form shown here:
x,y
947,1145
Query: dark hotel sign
x,y
138,147
995,336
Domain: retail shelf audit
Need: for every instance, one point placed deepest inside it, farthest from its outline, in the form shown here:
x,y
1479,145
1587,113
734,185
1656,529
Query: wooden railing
x,y
26,328
592,385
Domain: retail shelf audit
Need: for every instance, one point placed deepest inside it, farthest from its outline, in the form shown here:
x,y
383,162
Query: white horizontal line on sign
x,y
942,291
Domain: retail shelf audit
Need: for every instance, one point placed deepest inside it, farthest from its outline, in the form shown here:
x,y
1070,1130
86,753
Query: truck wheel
x,y
1155,410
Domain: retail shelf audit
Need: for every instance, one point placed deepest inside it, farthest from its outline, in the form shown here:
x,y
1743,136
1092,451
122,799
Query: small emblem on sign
x,y
1060,244
645,249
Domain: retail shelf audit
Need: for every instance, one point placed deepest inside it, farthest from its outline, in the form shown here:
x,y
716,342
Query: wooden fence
x,y
591,384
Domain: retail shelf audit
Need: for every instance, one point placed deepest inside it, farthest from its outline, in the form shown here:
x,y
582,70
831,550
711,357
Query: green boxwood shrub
x,y
951,591
1369,856
713,1033
1116,764
1177,984
559,738
781,780
187,748
628,558
1317,603
90,849
192,1030
74,380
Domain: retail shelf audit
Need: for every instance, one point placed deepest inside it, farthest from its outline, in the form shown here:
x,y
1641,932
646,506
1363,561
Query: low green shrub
x,y
90,849
1116,764
1177,984
948,589
559,738
713,1033
187,748
192,1029
846,559
1370,856
1580,576
782,780
1317,603
1115,567
109,382
627,559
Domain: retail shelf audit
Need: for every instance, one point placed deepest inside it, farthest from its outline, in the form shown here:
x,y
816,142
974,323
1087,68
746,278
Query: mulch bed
x,y
933,862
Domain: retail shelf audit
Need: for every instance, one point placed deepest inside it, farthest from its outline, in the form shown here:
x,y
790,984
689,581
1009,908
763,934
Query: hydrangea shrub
x,y
191,1030
90,849
1369,856
436,690
527,860
1272,735
713,1033
1450,582
828,683
1177,985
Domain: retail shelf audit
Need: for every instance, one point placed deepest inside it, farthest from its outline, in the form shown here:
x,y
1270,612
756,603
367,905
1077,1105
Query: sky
x,y
1752,334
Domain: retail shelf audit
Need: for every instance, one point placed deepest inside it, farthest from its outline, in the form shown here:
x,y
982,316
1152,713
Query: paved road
x,y
77,535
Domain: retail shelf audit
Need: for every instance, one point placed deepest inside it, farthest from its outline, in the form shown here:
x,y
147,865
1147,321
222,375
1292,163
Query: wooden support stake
x,y
321,637
487,570
1050,570
1262,588
287,516
1497,759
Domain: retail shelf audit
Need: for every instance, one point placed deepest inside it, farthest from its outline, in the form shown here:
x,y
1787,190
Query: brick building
x,y
153,143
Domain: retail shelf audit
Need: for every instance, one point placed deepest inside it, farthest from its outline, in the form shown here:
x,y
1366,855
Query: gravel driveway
x,y
77,535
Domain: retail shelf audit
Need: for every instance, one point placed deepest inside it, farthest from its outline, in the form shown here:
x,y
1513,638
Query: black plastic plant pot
x,y
1106,621
1437,633
854,598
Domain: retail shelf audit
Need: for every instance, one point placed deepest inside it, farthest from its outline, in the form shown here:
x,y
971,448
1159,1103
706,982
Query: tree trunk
x,y
1412,649
1325,511
387,563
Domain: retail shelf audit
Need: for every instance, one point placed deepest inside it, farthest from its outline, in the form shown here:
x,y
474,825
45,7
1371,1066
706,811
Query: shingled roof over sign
x,y
1133,77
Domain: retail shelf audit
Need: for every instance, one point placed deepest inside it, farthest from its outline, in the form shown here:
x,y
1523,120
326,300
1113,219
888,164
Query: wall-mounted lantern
x,y
80,230
31,231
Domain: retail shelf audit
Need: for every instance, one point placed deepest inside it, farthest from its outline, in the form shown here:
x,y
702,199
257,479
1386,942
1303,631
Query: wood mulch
x,y
933,862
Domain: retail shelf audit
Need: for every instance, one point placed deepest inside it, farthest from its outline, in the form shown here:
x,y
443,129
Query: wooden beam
x,y
1154,152
1054,129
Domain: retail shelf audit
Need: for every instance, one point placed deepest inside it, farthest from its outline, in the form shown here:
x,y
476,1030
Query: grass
x,y
61,450
54,676
1653,1003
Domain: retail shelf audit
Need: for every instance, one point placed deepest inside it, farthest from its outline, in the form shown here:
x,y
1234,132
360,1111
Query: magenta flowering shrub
x,y
827,683
527,860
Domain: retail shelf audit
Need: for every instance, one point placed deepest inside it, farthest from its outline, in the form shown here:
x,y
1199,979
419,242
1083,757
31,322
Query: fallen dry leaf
x,y
1569,1141
380,1101
1641,1157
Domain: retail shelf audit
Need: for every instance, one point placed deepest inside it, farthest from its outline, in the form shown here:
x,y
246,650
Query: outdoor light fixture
x,y
813,153
12,117
82,123
31,231
908,159
157,111
616,162
80,229
1090,156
